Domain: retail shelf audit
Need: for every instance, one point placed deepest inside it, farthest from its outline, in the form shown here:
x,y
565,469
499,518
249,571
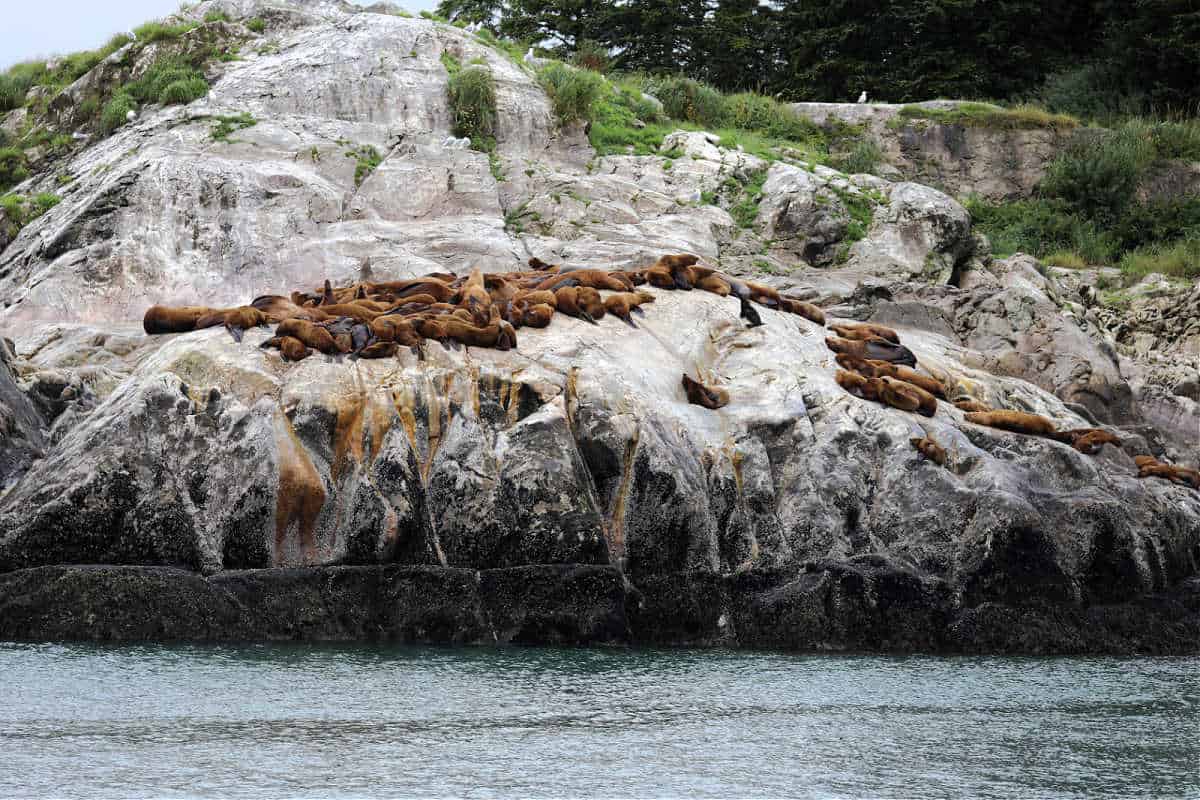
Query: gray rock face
x,y
565,490
996,164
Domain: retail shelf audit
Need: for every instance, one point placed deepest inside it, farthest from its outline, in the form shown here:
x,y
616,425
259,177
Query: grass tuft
x,y
472,95
573,92
984,115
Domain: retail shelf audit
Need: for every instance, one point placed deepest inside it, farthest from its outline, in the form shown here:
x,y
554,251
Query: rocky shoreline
x,y
564,491
858,606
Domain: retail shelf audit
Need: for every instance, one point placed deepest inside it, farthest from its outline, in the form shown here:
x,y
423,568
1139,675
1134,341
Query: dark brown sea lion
x,y
863,331
700,395
928,447
802,309
1015,421
575,302
310,334
177,319
877,350
378,350
277,309
292,349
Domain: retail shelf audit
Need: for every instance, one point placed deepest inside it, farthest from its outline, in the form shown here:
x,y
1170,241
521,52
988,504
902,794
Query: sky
x,y
33,30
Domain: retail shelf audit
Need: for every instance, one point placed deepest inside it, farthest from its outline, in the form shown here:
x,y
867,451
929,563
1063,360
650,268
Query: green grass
x,y
216,16
573,92
748,194
160,31
115,111
1066,259
367,158
472,95
984,115
864,156
20,210
1180,259
13,168
226,126
257,25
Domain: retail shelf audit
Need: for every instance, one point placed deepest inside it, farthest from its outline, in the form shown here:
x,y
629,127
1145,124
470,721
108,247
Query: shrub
x,y
1178,259
17,80
863,157
1040,226
591,55
183,92
754,112
1066,259
258,25
572,91
1098,173
686,99
216,16
1091,92
228,125
12,167
472,95
115,111
1177,139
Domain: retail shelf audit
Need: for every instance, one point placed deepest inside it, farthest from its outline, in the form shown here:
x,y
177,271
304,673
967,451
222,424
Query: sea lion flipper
x,y
235,332
629,322
748,313
418,351
585,315
638,310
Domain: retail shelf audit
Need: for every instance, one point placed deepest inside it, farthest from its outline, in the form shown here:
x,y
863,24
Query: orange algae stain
x,y
616,538
300,495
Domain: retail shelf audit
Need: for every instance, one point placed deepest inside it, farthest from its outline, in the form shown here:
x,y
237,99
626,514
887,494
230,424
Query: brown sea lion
x,y
859,385
310,334
877,350
802,309
971,405
475,299
393,328
498,333
440,290
177,319
700,395
622,304
575,301
537,315
235,320
278,308
352,310
378,350
1179,475
715,284
862,331
907,397
1088,441
1015,421
593,278
292,348
928,447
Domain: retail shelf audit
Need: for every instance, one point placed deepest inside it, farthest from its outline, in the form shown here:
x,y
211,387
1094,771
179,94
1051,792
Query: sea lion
x,y
440,290
1145,461
580,301
877,350
593,278
177,319
802,309
1088,441
880,369
352,310
377,350
928,447
392,328
621,305
475,299
290,347
715,284
971,405
235,320
1179,475
537,315
863,331
907,397
700,395
658,277
859,385
1015,421
277,309
310,334
327,298
498,333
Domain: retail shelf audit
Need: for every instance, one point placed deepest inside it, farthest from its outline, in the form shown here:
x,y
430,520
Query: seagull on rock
x,y
862,98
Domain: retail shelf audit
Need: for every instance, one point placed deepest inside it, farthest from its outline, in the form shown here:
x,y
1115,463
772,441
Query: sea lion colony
x,y
376,319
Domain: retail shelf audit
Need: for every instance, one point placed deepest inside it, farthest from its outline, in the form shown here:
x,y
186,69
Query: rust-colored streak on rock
x,y
348,435
616,538
300,495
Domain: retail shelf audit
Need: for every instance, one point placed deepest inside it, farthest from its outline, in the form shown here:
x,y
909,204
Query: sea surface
x,y
96,721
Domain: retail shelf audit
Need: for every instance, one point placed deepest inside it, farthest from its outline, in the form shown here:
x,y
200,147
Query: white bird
x,y
529,57
130,115
862,98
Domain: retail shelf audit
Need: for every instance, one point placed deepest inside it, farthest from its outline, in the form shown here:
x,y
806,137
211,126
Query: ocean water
x,y
96,721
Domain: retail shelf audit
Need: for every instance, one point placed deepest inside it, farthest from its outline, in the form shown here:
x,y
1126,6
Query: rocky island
x,y
565,490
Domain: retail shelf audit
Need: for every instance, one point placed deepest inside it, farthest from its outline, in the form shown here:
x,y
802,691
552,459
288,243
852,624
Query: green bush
x,y
754,112
258,24
1091,92
573,92
1039,227
985,115
12,167
1177,139
20,211
216,16
1180,259
17,80
591,55
863,157
472,95
686,99
182,92
1160,220
115,111
228,125
1098,173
